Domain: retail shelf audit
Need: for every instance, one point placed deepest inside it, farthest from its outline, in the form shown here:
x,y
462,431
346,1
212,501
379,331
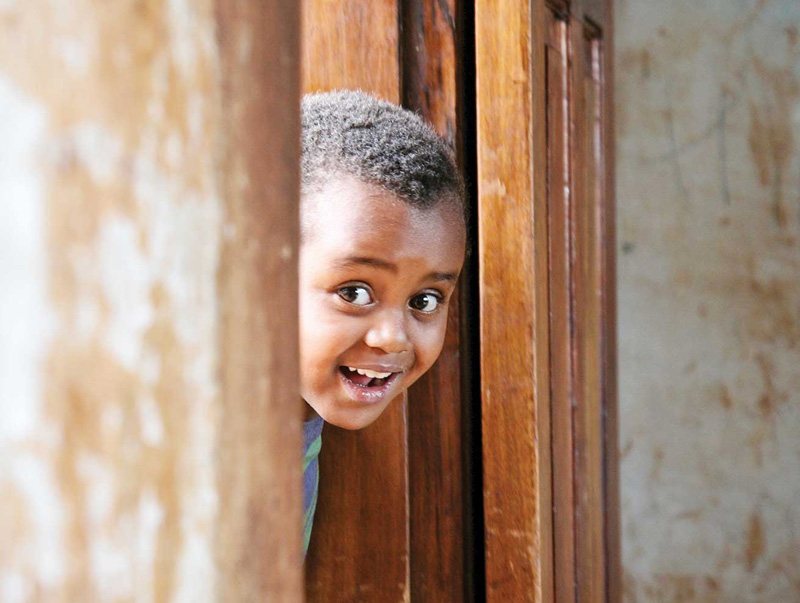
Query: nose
x,y
388,332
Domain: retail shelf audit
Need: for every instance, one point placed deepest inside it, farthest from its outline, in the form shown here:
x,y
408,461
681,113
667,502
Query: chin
x,y
351,419
350,425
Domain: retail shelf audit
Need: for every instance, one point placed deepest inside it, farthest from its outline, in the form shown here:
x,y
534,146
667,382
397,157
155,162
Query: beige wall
x,y
708,156
110,221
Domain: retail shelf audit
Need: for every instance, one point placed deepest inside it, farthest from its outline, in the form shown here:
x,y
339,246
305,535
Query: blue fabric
x,y
312,444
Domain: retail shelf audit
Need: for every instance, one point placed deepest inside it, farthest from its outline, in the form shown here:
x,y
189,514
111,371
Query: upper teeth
x,y
368,373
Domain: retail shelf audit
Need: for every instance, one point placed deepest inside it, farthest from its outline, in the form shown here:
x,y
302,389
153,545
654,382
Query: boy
x,y
382,244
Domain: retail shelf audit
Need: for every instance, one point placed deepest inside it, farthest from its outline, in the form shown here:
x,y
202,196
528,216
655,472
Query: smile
x,y
365,385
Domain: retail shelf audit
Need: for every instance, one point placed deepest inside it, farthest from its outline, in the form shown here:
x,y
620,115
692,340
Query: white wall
x,y
708,169
109,222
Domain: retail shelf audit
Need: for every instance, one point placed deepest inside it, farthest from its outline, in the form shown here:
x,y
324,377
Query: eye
x,y
425,302
356,295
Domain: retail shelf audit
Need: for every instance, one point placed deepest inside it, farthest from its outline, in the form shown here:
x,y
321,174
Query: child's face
x,y
376,277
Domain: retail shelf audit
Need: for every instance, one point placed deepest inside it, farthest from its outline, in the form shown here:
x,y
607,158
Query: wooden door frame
x,y
521,467
258,544
533,552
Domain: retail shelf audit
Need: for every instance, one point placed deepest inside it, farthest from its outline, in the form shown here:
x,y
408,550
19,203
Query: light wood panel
x,y
351,45
259,540
514,299
359,547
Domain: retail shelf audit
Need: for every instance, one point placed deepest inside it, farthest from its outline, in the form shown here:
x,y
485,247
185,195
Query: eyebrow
x,y
355,260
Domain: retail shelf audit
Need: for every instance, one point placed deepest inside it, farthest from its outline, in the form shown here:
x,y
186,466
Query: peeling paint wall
x,y
708,177
110,216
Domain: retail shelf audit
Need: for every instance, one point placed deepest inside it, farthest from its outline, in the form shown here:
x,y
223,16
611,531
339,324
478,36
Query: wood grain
x,y
259,552
438,486
351,45
430,63
588,336
392,527
609,285
514,299
560,250
359,547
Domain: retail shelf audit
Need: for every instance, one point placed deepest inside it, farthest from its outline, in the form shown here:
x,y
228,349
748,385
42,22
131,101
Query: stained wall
x,y
110,219
708,185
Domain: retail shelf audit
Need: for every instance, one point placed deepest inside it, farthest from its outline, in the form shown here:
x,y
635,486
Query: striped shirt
x,y
312,442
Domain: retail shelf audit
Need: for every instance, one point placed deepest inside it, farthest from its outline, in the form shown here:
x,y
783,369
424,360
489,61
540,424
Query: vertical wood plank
x,y
351,45
259,546
430,62
514,299
438,488
359,547
587,185
436,477
561,382
609,285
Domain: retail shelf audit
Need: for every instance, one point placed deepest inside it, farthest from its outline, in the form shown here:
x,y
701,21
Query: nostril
x,y
389,346
391,338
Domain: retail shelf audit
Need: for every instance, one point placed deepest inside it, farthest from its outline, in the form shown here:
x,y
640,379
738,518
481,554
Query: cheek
x,y
430,342
315,340
324,336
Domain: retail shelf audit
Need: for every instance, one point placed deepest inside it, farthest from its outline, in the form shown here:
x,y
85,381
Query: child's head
x,y
383,236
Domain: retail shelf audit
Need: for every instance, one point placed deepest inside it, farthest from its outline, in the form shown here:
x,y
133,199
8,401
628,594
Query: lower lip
x,y
368,395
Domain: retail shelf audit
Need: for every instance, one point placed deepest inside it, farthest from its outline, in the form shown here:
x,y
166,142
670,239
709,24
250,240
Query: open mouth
x,y
367,385
365,377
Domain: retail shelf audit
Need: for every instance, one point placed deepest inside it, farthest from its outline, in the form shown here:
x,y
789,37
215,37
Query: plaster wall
x,y
110,219
708,190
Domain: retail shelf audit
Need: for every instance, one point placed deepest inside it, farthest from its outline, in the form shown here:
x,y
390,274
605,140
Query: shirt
x,y
312,442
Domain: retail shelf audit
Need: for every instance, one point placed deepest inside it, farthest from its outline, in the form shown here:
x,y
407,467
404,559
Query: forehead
x,y
347,216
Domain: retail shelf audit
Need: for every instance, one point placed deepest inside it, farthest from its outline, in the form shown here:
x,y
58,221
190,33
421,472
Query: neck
x,y
309,413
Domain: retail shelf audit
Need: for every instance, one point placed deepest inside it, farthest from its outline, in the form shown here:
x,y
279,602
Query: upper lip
x,y
377,367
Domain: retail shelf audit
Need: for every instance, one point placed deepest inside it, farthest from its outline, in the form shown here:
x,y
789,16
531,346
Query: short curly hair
x,y
349,132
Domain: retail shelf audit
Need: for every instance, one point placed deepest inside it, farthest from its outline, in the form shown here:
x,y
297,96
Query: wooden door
x,y
496,478
394,498
547,300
